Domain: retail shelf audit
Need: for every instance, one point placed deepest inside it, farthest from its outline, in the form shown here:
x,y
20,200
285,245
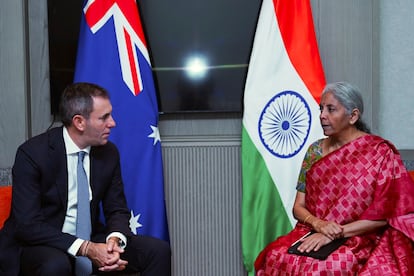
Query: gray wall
x,y
364,42
345,38
13,88
24,82
396,67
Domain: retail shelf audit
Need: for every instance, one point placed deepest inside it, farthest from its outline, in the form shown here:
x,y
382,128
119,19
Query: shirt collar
x,y
71,147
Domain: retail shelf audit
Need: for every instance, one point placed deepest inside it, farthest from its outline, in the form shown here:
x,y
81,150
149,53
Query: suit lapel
x,y
58,161
95,168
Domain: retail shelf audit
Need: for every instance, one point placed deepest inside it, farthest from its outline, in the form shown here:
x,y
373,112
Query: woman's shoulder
x,y
314,152
380,142
316,145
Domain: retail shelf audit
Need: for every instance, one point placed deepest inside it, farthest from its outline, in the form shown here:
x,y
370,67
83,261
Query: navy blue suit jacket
x,y
40,197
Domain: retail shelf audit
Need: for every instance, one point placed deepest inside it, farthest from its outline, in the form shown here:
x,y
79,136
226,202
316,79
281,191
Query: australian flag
x,y
113,53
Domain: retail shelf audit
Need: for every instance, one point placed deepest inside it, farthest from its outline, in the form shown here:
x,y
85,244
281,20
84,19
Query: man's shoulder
x,y
48,138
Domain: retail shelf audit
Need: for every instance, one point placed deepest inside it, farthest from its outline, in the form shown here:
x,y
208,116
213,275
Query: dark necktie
x,y
83,218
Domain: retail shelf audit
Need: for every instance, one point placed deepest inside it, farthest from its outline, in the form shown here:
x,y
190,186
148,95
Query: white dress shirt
x,y
69,225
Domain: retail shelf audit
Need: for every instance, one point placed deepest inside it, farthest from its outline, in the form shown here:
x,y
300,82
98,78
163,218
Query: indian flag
x,y
281,119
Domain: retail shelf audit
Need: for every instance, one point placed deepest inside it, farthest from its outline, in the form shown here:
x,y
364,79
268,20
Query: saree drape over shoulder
x,y
363,180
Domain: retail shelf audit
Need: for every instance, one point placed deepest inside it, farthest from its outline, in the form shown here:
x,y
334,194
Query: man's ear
x,y
79,122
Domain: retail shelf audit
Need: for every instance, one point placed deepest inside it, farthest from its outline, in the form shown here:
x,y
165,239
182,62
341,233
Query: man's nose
x,y
112,122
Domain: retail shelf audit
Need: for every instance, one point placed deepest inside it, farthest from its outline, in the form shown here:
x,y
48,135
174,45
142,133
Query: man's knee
x,y
56,266
161,257
164,250
149,255
45,261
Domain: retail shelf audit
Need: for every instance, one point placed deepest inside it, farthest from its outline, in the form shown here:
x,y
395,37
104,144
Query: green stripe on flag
x,y
263,215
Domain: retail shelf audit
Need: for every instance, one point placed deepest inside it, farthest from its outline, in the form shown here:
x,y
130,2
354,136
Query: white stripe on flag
x,y
271,72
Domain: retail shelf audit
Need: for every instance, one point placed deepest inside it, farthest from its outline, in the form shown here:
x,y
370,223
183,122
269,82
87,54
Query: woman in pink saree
x,y
354,185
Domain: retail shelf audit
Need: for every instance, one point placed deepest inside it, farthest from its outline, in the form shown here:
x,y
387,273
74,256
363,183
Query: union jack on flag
x,y
112,53
129,35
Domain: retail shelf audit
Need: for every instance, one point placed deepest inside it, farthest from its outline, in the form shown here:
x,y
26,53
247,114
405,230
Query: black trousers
x,y
147,255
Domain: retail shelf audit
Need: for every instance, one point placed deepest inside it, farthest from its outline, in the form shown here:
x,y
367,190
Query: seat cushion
x,y
412,174
5,203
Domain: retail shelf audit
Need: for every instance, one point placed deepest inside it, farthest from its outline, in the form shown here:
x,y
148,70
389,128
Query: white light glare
x,y
196,67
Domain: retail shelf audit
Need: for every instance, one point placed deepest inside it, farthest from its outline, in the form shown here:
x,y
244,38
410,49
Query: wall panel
x,y
13,100
203,194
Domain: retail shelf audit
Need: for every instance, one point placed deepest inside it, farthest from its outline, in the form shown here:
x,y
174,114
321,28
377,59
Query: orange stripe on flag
x,y
306,60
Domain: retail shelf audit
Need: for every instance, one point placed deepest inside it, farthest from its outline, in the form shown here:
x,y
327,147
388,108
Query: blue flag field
x,y
112,52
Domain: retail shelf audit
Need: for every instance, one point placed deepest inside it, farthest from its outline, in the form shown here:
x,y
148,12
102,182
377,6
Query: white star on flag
x,y
133,222
155,134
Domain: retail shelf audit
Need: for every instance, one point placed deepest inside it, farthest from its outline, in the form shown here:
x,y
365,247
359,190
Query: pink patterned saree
x,y
363,180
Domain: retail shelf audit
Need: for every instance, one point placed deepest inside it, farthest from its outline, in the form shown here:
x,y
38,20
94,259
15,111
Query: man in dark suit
x,y
40,237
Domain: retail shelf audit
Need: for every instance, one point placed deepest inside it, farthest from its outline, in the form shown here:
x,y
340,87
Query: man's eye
x,y
105,117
